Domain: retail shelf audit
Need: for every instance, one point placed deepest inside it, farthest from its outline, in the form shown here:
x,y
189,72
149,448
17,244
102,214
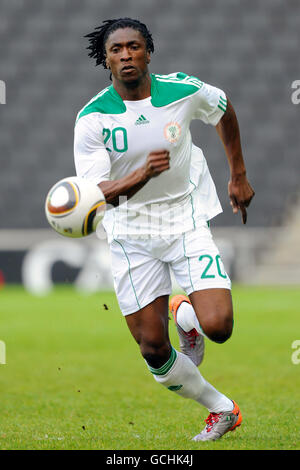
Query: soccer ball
x,y
74,207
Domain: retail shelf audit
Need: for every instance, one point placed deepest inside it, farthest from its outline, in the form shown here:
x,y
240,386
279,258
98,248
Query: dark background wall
x,y
248,48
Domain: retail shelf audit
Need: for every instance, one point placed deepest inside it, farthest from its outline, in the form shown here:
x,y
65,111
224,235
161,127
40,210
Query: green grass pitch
x,y
74,378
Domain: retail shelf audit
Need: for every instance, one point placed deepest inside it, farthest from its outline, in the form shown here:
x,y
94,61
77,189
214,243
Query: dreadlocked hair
x,y
98,37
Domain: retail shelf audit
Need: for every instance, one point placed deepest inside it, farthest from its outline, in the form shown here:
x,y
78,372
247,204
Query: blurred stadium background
x,y
249,49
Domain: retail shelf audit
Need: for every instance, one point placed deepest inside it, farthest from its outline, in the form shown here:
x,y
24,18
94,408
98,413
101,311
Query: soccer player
x,y
133,140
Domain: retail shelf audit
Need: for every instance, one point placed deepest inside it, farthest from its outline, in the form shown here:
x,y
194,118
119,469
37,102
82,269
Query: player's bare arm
x,y
239,189
156,162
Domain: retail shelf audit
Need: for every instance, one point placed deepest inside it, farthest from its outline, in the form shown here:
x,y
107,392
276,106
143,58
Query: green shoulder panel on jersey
x,y
108,101
166,89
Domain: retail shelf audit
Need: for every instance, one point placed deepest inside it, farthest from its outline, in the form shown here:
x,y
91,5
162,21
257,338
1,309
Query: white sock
x,y
180,375
187,319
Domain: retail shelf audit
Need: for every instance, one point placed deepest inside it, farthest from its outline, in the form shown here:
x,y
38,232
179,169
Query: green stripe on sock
x,y
163,370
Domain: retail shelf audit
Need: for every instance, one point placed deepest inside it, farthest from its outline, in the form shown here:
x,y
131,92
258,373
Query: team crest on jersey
x,y
172,132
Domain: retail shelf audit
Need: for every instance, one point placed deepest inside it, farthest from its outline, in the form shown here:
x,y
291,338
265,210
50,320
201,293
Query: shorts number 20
x,y
207,270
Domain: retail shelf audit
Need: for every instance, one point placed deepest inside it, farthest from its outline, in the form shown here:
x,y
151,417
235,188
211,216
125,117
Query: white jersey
x,y
113,138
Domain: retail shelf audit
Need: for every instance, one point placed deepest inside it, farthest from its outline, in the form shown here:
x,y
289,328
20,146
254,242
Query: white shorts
x,y
141,268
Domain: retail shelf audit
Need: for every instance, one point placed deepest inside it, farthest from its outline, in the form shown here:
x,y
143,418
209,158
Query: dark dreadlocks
x,y
98,37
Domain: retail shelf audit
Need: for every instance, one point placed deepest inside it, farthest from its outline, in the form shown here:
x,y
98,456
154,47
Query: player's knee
x,y
218,328
155,353
221,335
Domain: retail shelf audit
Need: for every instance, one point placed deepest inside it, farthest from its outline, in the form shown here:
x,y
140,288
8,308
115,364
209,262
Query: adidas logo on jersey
x,y
141,120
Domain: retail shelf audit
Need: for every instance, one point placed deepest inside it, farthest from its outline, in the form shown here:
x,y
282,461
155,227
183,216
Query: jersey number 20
x,y
119,139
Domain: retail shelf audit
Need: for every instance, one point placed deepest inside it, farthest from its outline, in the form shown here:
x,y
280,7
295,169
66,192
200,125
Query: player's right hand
x,y
157,162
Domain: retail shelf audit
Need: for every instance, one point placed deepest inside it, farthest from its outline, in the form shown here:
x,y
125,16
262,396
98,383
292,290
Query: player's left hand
x,y
240,194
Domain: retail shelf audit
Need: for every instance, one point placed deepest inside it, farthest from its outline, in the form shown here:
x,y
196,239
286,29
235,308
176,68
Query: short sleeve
x,y
91,158
210,104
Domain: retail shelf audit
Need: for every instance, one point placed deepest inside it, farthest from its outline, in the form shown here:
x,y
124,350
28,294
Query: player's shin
x,y
180,375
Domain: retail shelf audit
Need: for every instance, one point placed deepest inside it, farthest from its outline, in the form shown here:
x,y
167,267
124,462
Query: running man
x,y
133,140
